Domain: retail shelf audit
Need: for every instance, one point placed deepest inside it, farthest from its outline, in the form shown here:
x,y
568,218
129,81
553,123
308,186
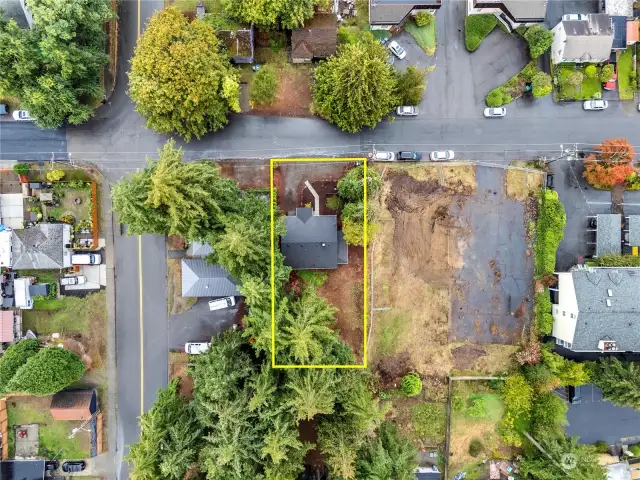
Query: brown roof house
x,y
318,38
74,405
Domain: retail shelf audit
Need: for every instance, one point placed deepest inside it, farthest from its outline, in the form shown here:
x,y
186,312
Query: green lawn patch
x,y
79,211
476,28
42,276
626,75
64,315
212,6
590,88
424,36
429,422
53,434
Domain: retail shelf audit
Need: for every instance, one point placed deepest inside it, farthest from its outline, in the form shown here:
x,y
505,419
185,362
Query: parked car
x,y
86,259
51,465
407,111
550,180
4,110
442,155
611,83
384,156
397,50
196,348
220,303
573,17
409,156
593,222
21,116
595,104
75,280
495,112
74,466
575,395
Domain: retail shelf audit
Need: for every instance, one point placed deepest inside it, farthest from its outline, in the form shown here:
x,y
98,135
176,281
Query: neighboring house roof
x,y
619,33
588,40
197,249
318,37
393,12
619,7
633,31
427,473
604,317
6,326
200,279
42,247
73,405
618,471
16,10
634,230
22,469
239,43
39,289
12,210
517,10
311,240
608,234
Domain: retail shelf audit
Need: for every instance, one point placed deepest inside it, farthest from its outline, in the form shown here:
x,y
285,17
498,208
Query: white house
x,y
583,41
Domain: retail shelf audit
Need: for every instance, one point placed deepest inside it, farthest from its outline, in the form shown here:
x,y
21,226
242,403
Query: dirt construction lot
x,y
435,259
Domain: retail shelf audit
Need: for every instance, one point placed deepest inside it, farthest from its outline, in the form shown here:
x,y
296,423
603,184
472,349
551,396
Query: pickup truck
x,y
75,280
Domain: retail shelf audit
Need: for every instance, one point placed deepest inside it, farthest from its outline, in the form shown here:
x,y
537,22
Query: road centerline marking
x,y
141,326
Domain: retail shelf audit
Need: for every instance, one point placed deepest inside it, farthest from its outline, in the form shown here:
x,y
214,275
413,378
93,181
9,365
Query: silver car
x,y
441,155
495,112
384,156
397,50
595,104
407,111
196,348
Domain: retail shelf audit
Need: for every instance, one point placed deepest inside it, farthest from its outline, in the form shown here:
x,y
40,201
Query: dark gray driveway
x,y
496,276
597,419
200,324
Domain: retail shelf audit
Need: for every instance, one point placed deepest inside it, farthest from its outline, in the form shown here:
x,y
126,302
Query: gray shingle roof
x,y
634,230
39,247
200,279
597,321
392,12
311,240
608,234
588,40
197,249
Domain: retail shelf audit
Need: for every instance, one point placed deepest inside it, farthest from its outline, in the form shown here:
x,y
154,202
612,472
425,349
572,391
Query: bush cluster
x,y
423,19
411,385
551,221
476,28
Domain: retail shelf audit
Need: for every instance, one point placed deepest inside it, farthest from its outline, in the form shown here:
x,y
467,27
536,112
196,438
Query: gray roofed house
x,y
200,279
634,230
511,13
313,241
598,310
18,11
200,250
608,234
386,14
619,7
42,247
583,41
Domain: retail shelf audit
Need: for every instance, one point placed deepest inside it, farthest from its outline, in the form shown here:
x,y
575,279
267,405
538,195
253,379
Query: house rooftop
x,y
619,32
42,247
622,8
201,279
634,230
517,10
608,234
317,38
392,12
22,469
6,326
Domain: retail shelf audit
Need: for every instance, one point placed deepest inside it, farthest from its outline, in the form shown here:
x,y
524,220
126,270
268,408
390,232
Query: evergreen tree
x,y
312,392
619,382
47,372
386,456
13,358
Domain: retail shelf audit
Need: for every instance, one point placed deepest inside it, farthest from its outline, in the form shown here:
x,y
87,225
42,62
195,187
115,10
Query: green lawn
x,y
53,434
476,28
39,174
212,6
67,205
625,74
424,36
429,422
64,315
589,89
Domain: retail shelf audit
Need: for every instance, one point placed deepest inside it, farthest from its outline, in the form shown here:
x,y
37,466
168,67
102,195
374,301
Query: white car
x,y
397,50
384,156
21,116
196,348
595,104
442,155
76,280
495,112
407,111
573,17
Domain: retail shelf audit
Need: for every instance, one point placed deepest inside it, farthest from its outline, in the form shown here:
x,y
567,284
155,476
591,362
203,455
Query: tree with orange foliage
x,y
615,150
605,174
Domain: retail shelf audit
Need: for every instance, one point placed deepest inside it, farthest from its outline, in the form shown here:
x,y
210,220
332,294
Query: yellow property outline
x,y
273,162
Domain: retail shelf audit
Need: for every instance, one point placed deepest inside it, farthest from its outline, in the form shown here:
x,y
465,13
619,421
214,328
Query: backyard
x,y
54,441
589,88
626,75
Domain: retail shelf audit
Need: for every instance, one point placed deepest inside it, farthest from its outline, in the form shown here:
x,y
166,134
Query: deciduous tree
x,y
180,80
575,79
615,150
517,395
271,14
549,415
567,371
47,372
539,40
264,86
606,174
541,84
411,84
606,73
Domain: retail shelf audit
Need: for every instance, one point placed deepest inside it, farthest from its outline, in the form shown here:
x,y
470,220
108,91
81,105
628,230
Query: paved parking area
x,y
199,324
493,292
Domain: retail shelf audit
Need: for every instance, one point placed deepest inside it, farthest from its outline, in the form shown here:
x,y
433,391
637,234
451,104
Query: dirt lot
x,y
178,369
249,174
521,184
294,95
177,303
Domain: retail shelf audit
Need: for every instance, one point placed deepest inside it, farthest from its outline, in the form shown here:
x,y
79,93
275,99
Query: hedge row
x,y
476,28
617,261
513,88
550,231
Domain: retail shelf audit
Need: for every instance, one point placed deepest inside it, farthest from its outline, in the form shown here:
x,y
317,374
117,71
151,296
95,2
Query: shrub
x,y
478,407
21,168
635,449
603,447
333,202
617,261
264,87
591,71
349,34
476,28
423,19
606,73
411,385
55,175
517,395
542,311
541,84
498,97
316,278
575,79
539,40
47,372
551,221
475,447
68,218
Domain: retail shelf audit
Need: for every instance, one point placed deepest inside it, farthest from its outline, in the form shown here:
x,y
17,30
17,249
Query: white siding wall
x,y
559,39
565,313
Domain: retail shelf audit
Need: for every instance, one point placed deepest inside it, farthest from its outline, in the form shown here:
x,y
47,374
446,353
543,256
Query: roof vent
x,y
608,345
324,244
608,302
610,292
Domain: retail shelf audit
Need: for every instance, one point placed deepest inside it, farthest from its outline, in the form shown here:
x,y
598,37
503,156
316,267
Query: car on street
x,y
595,104
495,112
611,83
196,348
409,156
573,17
86,259
441,155
384,156
51,465
397,50
75,280
575,395
74,466
550,178
407,111
4,110
21,116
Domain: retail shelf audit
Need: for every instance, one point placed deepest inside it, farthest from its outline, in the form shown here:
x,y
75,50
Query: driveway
x,y
199,324
597,419
557,8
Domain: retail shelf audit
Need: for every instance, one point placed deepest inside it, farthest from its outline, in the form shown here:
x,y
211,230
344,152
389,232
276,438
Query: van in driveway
x,y
86,259
220,303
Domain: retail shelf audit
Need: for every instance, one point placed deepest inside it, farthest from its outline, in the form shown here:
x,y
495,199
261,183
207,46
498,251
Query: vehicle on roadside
x,y
639,107
611,83
410,156
593,222
74,466
196,348
550,180
22,116
51,465
407,111
495,112
441,155
397,50
220,303
595,104
75,280
4,110
575,395
86,259
383,156
573,17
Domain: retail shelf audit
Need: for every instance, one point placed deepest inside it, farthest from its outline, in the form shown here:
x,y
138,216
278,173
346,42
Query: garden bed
x,y
514,88
590,87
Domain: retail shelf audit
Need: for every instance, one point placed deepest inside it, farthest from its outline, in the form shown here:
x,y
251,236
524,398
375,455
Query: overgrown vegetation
x,y
573,84
351,192
614,260
476,28
514,88
539,40
549,233
619,382
264,86
542,312
627,82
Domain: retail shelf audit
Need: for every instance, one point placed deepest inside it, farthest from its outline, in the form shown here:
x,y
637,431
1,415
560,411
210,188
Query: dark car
x,y
575,395
409,156
550,180
593,223
75,466
51,465
3,109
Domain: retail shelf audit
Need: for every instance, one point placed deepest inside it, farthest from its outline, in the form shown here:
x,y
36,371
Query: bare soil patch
x,y
522,184
294,95
178,362
249,174
177,303
176,243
